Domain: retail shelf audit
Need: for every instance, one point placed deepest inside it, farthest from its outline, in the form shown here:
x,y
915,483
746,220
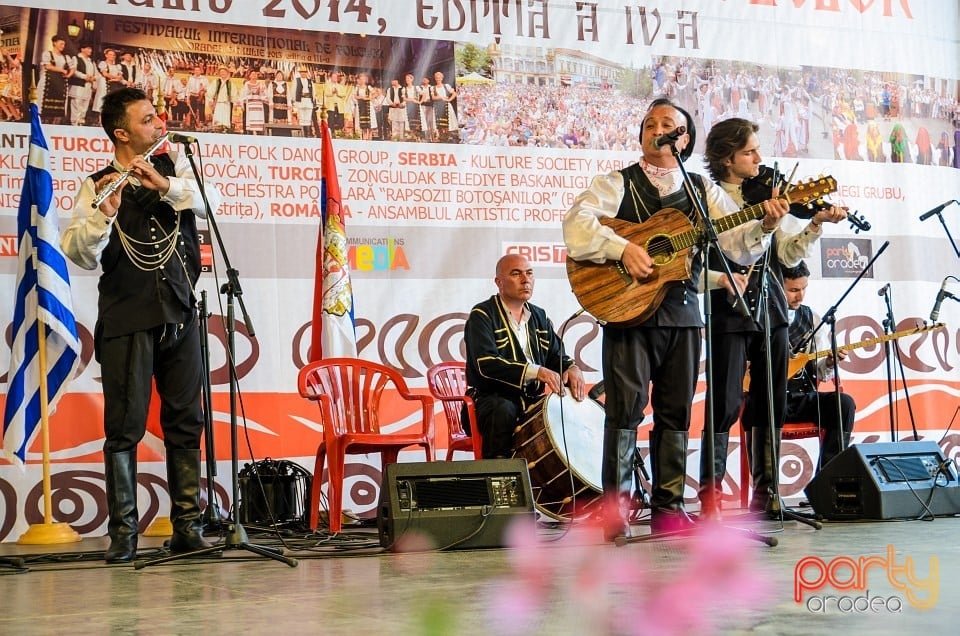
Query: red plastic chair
x,y
791,431
447,382
351,392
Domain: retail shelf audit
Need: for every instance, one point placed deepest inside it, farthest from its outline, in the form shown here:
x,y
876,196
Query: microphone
x,y
177,138
943,293
936,210
669,138
575,314
883,290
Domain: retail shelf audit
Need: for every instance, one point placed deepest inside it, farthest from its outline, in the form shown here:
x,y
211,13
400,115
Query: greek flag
x,y
42,301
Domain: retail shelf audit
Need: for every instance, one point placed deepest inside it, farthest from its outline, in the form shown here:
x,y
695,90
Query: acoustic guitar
x,y
609,293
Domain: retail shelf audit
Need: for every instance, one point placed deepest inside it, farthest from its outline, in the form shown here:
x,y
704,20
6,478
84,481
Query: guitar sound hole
x,y
660,250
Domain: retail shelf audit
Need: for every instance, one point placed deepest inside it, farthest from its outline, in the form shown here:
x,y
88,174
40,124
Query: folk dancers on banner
x,y
279,99
52,87
443,95
221,92
364,114
411,99
253,96
83,78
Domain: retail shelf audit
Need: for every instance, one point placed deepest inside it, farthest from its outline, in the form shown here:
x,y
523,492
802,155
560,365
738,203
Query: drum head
x,y
576,431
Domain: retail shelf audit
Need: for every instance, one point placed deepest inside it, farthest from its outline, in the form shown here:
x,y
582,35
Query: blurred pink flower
x,y
578,582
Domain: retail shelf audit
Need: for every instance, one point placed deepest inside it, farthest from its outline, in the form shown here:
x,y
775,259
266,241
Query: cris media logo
x,y
539,252
379,255
813,574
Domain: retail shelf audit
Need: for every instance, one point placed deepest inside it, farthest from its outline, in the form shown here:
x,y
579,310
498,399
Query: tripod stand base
x,y
793,515
236,539
692,532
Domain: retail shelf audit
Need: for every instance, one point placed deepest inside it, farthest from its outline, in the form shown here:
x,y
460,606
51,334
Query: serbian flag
x,y
42,302
334,333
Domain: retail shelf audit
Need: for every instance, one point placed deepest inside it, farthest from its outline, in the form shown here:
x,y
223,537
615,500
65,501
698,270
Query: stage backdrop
x,y
547,95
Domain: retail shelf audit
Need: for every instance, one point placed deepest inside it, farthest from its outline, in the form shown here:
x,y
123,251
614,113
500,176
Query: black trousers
x,y
497,417
633,359
822,407
731,352
168,355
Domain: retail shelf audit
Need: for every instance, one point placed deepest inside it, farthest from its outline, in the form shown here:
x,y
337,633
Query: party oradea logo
x,y
843,584
844,257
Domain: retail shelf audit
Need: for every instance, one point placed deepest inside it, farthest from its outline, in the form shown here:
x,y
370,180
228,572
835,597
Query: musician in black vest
x,y
144,238
805,403
665,348
733,157
512,354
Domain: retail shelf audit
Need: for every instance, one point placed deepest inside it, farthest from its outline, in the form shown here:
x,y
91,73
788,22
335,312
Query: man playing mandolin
x,y
804,402
732,156
661,347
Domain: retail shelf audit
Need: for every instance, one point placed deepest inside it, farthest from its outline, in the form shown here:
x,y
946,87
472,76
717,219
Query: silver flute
x,y
112,187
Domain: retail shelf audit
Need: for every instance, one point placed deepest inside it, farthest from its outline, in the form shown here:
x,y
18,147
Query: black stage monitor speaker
x,y
894,480
463,504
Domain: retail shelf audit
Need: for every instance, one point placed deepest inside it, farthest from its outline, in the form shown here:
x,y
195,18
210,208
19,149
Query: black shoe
x,y
666,521
189,542
123,549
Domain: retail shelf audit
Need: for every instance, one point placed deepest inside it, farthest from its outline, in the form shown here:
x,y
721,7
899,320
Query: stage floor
x,y
551,581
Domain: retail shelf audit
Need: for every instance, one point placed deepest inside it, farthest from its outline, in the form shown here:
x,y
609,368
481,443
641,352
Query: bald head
x,y
514,279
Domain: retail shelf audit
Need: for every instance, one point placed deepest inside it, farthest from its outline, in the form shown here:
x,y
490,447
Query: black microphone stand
x,y
946,229
890,323
211,514
830,318
236,537
763,304
707,239
889,327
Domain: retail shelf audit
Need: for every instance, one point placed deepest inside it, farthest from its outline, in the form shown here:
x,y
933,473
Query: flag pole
x,y
48,532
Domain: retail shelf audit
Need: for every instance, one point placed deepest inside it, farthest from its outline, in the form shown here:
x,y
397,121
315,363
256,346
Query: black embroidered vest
x,y
641,200
132,299
799,330
85,66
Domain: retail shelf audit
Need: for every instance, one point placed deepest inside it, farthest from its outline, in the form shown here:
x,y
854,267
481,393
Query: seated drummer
x,y
513,353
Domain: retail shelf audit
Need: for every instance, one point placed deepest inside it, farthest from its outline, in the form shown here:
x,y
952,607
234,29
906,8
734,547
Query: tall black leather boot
x,y
619,446
764,459
669,452
711,494
183,481
120,474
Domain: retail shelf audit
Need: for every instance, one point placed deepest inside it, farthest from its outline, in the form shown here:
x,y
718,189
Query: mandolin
x,y
798,361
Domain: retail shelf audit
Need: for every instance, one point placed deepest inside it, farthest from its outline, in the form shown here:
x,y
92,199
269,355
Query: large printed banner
x,y
462,131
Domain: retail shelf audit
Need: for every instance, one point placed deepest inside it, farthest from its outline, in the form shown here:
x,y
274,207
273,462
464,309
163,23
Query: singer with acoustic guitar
x,y
662,346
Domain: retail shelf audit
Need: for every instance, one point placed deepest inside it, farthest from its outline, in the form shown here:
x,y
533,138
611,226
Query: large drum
x,y
562,441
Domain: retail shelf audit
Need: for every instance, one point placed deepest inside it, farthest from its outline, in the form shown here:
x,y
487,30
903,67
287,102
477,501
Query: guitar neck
x,y
801,359
805,193
689,238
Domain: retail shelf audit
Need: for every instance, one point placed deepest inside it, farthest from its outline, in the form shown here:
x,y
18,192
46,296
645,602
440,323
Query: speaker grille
x,y
438,494
904,468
